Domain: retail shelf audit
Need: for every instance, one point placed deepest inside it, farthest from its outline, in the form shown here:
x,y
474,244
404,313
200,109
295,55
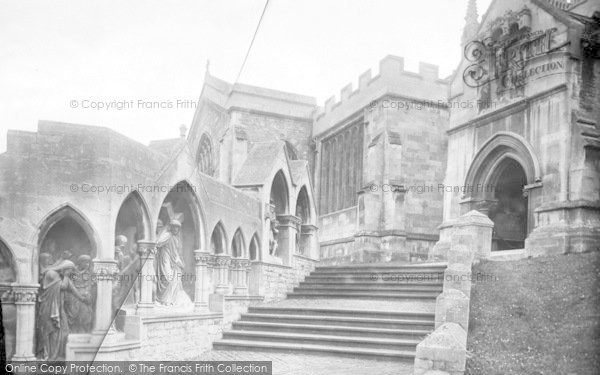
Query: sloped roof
x,y
167,146
259,163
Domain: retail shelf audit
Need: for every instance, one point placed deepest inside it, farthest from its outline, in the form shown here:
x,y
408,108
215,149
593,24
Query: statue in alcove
x,y
273,233
273,225
53,322
45,261
79,313
170,268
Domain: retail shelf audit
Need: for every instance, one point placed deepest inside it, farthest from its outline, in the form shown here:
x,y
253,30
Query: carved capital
x,y
222,260
203,258
104,269
240,264
24,294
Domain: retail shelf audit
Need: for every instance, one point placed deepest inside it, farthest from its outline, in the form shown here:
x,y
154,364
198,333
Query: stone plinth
x,y
479,227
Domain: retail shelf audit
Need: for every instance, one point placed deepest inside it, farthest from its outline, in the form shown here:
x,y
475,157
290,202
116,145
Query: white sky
x,y
54,52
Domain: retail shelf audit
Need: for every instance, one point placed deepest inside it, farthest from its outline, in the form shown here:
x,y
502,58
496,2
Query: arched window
x,y
205,156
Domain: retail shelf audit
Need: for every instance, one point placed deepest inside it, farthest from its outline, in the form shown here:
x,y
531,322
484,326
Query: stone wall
x,y
274,281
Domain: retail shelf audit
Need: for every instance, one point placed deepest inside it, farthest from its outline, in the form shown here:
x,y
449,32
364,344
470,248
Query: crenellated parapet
x,y
393,80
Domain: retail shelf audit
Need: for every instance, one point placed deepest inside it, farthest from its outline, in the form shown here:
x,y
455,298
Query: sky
x,y
116,63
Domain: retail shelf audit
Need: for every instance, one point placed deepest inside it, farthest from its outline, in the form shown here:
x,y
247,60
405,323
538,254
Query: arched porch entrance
x,y
503,183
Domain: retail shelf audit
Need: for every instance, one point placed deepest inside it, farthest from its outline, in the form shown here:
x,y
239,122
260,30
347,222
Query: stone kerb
x,y
443,350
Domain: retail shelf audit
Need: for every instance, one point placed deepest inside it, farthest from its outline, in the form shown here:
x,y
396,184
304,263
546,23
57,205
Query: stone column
x,y
222,262
147,253
309,240
25,298
202,288
239,275
288,227
104,271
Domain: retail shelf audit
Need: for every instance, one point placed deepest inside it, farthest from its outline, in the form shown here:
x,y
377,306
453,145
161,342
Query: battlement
x,y
392,78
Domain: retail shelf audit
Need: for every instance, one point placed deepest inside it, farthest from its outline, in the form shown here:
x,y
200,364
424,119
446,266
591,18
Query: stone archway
x,y
281,225
64,236
218,240
509,213
132,227
238,245
503,182
9,312
254,249
182,205
307,230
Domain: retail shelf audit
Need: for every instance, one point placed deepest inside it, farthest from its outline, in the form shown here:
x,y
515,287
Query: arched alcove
x,y
181,204
132,223
218,240
279,194
67,235
238,245
9,313
254,249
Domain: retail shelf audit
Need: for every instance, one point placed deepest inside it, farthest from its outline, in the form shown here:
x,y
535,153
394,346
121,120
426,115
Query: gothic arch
x,y
133,209
204,156
8,271
218,240
238,245
304,206
67,212
499,147
279,193
254,248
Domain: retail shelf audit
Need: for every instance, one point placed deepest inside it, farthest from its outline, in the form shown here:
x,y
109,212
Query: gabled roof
x,y
259,164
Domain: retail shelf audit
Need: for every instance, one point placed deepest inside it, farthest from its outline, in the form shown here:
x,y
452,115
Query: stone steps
x,y
367,294
381,314
352,331
322,339
332,330
341,321
370,287
394,355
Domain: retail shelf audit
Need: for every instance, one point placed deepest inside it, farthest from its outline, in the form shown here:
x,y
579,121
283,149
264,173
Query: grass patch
x,y
535,316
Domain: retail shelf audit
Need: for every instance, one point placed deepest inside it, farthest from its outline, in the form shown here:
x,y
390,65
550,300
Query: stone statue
x,y
274,231
52,320
80,314
170,268
45,261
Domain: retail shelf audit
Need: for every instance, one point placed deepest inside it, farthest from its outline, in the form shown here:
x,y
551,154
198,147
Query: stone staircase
x,y
358,311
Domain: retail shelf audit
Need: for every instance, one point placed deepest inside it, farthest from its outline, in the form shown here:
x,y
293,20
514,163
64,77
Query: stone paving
x,y
309,364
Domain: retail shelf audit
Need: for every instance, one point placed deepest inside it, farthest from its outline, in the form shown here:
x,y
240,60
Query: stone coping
x,y
581,203
304,257
261,263
234,297
173,317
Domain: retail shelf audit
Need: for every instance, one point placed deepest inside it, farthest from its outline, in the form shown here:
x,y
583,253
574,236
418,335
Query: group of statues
x,y
68,291
64,303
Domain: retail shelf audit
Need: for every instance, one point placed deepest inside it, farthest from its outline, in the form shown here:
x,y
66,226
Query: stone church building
x,y
266,184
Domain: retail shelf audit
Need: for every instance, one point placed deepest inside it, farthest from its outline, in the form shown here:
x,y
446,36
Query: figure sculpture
x,y
52,319
170,268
